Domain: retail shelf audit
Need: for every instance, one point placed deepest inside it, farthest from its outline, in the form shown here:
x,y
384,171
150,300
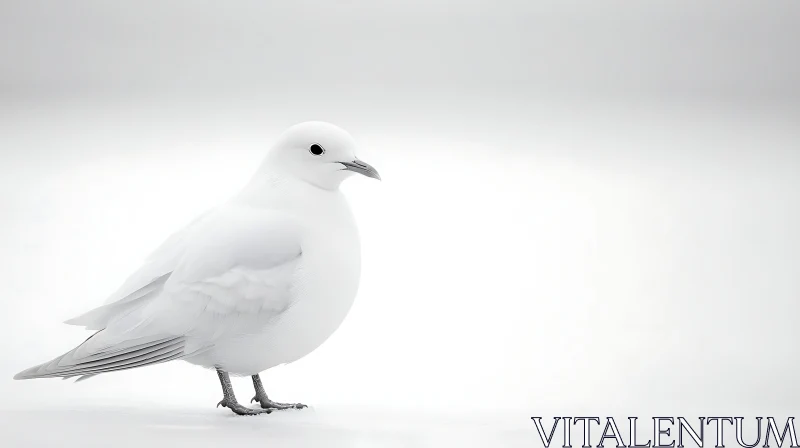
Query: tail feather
x,y
165,357
122,362
130,350
128,355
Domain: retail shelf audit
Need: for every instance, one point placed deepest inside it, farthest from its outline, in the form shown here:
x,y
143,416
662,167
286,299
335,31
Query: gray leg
x,y
266,403
229,398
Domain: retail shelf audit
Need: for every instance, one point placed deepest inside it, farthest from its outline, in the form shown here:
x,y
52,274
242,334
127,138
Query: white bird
x,y
259,281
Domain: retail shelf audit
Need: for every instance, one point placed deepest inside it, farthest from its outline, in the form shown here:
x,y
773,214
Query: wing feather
x,y
234,275
144,284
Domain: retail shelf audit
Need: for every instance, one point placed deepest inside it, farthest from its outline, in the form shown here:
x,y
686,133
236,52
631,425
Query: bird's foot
x,y
266,403
238,409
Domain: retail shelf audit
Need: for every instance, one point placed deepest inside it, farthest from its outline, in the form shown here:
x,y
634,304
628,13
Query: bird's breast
x,y
324,289
329,270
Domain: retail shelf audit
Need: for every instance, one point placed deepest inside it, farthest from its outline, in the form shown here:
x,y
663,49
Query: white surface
x,y
330,428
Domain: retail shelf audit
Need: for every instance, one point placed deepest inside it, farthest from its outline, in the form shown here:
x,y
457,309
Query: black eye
x,y
316,149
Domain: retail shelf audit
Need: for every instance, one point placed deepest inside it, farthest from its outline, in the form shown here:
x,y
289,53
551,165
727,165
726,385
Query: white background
x,y
585,208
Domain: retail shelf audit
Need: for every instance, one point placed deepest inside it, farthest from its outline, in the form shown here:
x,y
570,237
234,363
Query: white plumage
x,y
259,281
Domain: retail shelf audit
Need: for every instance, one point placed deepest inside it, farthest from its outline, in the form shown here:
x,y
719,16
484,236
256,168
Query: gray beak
x,y
360,167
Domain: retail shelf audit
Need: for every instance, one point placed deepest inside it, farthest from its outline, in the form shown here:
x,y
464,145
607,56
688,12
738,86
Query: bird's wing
x,y
144,284
236,275
159,263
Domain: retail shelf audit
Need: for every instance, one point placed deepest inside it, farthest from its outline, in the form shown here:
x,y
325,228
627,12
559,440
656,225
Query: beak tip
x,y
362,168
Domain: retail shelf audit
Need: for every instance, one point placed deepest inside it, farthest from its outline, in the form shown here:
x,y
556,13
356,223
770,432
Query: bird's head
x,y
319,153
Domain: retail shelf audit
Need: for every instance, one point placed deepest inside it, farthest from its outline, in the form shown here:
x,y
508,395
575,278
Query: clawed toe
x,y
262,398
283,406
266,403
242,410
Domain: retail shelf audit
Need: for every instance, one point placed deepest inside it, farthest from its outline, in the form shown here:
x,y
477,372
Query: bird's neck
x,y
280,192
